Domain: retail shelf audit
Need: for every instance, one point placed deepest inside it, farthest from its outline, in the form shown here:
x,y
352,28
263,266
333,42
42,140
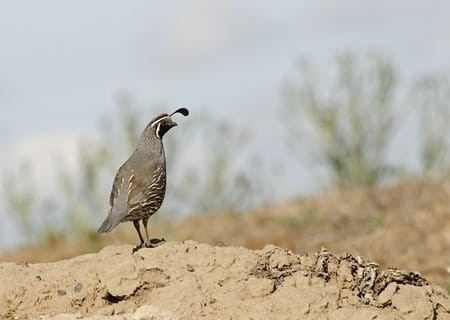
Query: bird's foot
x,y
137,248
153,243
150,243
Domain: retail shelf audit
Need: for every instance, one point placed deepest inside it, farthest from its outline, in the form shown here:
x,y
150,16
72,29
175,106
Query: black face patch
x,y
162,126
158,123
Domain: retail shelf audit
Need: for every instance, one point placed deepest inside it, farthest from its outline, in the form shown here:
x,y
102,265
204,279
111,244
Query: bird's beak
x,y
172,123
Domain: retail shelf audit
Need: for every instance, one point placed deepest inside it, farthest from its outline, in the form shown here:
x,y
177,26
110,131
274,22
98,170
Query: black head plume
x,y
183,111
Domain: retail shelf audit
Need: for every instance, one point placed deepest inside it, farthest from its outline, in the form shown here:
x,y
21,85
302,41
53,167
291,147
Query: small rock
x,y
159,285
386,295
190,268
283,261
259,287
77,303
413,301
219,244
61,292
78,287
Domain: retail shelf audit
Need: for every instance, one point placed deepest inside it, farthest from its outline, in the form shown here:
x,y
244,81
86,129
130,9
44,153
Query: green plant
x,y
303,219
19,195
432,97
33,215
349,118
224,175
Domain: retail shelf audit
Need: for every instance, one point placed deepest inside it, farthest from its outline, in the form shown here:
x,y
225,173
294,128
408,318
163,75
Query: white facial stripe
x,y
157,121
157,130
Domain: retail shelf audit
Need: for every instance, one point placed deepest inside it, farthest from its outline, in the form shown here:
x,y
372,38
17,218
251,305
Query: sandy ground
x,y
188,280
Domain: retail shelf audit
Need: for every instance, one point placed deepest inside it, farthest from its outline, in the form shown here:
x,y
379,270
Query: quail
x,y
140,184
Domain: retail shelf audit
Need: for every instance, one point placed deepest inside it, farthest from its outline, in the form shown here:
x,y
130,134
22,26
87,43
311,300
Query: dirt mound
x,y
406,225
187,280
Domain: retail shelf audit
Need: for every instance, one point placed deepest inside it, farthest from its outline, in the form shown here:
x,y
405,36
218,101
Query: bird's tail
x,y
107,225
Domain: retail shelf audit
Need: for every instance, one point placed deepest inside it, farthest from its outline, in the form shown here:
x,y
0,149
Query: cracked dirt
x,y
188,280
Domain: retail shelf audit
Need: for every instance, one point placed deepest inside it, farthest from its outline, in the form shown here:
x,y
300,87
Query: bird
x,y
139,185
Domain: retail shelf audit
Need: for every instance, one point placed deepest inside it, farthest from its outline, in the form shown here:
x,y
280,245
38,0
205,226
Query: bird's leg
x,y
151,243
136,225
144,223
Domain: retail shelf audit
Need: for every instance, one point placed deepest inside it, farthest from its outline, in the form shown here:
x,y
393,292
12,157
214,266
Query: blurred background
x,y
312,124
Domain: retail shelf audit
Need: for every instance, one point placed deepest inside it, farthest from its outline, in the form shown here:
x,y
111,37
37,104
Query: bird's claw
x,y
150,243
153,243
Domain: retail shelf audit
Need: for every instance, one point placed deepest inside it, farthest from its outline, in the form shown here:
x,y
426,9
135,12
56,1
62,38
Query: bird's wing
x,y
132,190
117,184
117,200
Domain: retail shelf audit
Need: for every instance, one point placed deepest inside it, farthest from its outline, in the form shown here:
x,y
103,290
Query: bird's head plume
x,y
162,123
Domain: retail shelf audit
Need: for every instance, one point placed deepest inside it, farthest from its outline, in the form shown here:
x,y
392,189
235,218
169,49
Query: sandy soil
x,y
188,280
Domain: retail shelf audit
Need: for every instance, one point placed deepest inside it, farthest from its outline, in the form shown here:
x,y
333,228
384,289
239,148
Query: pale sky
x,y
62,63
